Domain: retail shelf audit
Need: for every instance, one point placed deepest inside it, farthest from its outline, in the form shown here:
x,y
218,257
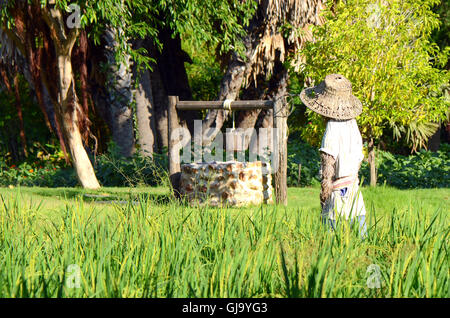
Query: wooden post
x,y
280,124
174,156
299,173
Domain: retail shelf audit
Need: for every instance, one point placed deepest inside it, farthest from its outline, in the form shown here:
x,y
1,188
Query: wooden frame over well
x,y
279,121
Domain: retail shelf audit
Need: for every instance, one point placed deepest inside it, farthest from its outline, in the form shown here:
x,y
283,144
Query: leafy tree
x,y
384,49
441,35
46,34
81,60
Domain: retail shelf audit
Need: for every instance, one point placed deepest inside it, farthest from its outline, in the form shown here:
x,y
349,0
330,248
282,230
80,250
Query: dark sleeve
x,y
328,171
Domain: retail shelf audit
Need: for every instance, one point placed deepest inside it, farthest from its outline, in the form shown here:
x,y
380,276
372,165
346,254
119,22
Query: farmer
x,y
341,151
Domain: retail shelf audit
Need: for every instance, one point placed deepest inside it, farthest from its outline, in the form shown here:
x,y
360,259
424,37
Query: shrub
x,y
111,170
425,169
114,171
26,174
308,157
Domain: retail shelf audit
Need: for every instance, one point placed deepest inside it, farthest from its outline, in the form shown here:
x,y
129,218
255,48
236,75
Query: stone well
x,y
226,183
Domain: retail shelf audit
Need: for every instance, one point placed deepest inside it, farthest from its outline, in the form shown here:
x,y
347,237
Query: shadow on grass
x,y
103,196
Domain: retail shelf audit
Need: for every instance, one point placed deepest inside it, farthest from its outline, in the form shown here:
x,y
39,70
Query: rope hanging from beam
x,y
227,106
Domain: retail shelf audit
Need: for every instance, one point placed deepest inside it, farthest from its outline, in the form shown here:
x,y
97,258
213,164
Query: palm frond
x,y
285,29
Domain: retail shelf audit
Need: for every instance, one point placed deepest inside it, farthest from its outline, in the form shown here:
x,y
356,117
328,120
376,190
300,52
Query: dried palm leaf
x,y
284,30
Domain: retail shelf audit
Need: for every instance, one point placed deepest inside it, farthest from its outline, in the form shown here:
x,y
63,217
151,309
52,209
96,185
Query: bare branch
x,y
72,37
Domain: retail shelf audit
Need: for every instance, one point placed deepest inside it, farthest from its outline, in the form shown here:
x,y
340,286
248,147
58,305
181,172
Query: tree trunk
x,y
28,61
67,112
145,114
174,158
233,79
173,73
229,89
67,108
119,97
66,105
247,119
161,103
274,89
372,163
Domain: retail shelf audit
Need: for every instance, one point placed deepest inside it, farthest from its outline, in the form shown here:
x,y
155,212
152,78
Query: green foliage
x,y
217,23
146,248
97,15
297,118
46,174
417,134
35,130
50,170
442,35
425,169
384,49
45,166
308,157
204,73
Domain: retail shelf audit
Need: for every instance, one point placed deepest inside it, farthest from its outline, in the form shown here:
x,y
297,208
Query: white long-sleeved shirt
x,y
343,141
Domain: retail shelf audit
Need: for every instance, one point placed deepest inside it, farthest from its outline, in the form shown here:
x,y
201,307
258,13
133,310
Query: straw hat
x,y
332,98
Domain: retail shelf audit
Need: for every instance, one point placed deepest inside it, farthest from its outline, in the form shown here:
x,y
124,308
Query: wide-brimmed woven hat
x,y
332,98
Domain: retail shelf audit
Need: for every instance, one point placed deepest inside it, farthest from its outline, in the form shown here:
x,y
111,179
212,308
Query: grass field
x,y
154,247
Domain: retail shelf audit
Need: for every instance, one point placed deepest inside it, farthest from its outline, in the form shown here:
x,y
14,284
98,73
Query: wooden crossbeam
x,y
235,105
